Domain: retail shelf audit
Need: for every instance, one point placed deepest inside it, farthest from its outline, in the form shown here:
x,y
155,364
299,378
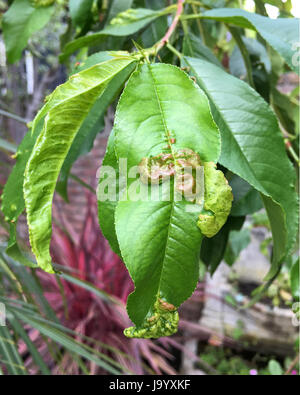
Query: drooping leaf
x,y
65,112
13,250
280,33
92,124
124,24
161,111
12,197
19,23
253,148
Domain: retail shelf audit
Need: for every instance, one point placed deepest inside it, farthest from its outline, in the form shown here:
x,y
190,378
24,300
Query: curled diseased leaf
x,y
217,201
162,321
65,111
161,111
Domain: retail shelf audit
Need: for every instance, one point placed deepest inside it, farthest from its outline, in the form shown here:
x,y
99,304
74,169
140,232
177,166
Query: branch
x,y
172,27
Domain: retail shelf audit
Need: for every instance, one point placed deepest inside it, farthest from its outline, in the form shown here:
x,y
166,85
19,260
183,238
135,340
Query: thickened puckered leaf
x,y
65,111
161,111
217,201
124,24
20,21
253,148
280,33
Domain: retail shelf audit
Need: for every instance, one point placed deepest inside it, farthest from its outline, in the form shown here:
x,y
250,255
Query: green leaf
x,y
117,7
246,200
19,23
193,46
160,240
213,250
106,208
253,148
90,61
238,241
80,11
92,124
258,55
295,282
125,24
280,33
13,249
12,197
66,110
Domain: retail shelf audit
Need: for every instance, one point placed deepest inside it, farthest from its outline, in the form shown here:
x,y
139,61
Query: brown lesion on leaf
x,y
163,305
182,164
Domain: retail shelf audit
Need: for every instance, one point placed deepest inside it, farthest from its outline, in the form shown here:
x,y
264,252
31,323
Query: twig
x,y
13,116
174,50
290,148
172,27
199,24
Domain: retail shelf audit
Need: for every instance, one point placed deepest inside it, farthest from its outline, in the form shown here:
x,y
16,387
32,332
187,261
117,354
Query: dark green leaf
x,y
246,200
253,148
238,241
193,46
213,250
280,33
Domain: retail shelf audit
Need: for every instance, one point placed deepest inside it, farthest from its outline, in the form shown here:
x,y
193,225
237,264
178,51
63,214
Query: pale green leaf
x,y
65,112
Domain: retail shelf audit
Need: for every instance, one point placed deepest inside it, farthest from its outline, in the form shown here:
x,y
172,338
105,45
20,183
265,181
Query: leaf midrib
x,y
172,202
